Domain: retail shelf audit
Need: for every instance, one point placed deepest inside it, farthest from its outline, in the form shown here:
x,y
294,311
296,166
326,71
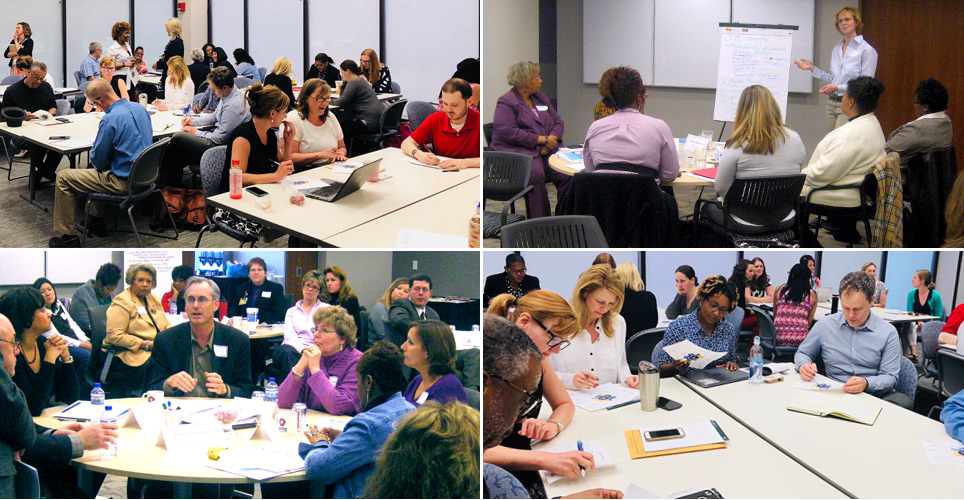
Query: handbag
x,y
187,208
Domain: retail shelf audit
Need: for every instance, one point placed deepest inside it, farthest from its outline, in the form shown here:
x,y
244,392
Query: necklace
x,y
36,352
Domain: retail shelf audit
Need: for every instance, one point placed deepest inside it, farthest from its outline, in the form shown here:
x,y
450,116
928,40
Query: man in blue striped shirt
x,y
90,68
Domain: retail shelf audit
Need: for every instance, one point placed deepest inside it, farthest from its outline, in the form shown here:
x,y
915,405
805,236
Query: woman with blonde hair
x,y
375,72
178,87
317,133
280,76
880,290
378,318
639,305
599,350
174,48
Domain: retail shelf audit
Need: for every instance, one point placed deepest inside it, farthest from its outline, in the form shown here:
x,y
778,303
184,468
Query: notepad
x,y
603,396
827,404
84,411
599,454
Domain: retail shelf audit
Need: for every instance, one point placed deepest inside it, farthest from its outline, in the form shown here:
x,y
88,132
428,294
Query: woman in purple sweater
x,y
324,378
430,350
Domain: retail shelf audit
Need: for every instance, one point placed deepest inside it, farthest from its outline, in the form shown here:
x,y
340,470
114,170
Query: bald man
x,y
124,132
17,431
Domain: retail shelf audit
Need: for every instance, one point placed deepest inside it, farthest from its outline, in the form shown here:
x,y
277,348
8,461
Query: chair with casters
x,y
10,80
212,167
79,77
862,212
418,111
505,177
640,347
141,184
907,379
387,126
243,82
764,209
929,334
768,337
950,372
567,231
101,354
262,71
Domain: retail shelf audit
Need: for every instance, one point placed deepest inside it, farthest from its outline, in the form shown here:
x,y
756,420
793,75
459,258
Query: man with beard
x,y
452,132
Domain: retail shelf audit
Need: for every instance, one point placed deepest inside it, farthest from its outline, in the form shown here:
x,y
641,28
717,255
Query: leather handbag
x,y
187,207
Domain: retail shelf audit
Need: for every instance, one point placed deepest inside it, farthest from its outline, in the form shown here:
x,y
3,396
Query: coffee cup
x,y
152,397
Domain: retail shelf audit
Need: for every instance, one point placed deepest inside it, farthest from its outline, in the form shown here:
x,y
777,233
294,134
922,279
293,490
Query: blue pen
x,y
579,447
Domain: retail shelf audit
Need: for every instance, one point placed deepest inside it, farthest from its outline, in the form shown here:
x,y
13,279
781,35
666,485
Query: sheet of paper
x,y
819,385
577,166
698,357
302,182
259,464
334,423
696,434
604,396
416,162
694,142
949,452
73,143
571,156
598,451
634,491
417,238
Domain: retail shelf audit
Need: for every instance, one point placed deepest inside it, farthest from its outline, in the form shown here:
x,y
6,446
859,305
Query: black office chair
x,y
768,337
950,372
864,211
505,178
212,167
418,111
566,231
26,481
764,204
487,129
387,126
929,177
640,346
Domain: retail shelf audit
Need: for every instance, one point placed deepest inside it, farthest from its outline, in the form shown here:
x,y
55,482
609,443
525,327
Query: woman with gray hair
x,y
198,68
526,123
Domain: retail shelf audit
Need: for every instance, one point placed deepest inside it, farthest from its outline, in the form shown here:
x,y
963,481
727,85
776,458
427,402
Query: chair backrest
x,y
950,372
568,231
487,129
467,364
79,77
930,176
504,174
10,80
147,166
396,88
929,334
262,71
26,482
63,107
768,331
418,111
202,87
98,331
658,348
640,346
764,201
907,378
392,116
243,82
212,168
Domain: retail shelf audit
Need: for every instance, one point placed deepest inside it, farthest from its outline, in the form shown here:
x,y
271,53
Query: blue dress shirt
x,y
249,70
90,67
953,416
124,132
687,327
861,60
871,351
231,112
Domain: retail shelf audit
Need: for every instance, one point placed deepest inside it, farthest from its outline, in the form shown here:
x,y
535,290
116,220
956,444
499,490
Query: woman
x,y
430,350
198,69
337,292
794,305
759,289
23,67
548,320
346,458
280,77
954,214
324,378
122,56
64,325
134,318
880,291
811,264
245,65
265,295
433,454
220,58
605,106
139,65
299,323
174,48
743,273
178,87
358,96
208,50
526,123
850,58
378,318
119,85
639,305
599,350
605,258
760,146
629,136
704,327
922,299
179,277
323,68
95,293
317,133
43,368
687,285
375,72
20,45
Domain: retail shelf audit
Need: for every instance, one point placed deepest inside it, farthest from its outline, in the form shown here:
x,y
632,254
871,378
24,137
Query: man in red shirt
x,y
452,132
949,333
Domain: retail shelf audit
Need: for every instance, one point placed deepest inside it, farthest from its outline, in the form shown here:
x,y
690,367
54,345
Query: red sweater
x,y
954,320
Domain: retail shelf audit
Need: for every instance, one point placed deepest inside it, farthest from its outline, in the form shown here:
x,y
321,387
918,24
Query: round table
x,y
139,456
559,165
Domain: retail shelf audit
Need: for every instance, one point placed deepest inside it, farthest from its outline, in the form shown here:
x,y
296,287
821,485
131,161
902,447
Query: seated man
x,y
189,145
124,132
931,130
514,280
858,348
34,94
452,132
98,292
90,67
953,328
202,357
953,416
406,310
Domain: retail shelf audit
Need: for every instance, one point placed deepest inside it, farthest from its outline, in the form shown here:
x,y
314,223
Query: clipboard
x,y
634,440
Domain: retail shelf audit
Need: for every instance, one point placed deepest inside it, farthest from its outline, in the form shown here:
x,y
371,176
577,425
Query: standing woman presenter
x,y
852,57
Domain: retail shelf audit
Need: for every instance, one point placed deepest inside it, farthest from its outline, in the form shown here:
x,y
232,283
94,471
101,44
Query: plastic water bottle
x,y
107,418
173,305
97,396
234,186
271,391
475,227
756,362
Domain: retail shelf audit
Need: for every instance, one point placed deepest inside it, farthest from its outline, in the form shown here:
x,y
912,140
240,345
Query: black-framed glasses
x,y
16,345
531,399
719,309
554,340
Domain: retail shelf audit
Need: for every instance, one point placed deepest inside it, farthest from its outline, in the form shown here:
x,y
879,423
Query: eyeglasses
x,y
203,301
319,331
321,99
531,399
554,340
517,271
719,309
312,287
16,345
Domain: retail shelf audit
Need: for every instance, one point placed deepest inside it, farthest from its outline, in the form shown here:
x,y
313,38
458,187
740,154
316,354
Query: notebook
x,y
845,406
713,377
337,190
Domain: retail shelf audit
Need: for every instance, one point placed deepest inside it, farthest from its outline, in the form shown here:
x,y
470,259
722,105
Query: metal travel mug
x,y
648,385
834,303
142,100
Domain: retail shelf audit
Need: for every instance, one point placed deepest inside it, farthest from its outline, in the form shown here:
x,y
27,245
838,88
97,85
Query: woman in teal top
x,y
922,299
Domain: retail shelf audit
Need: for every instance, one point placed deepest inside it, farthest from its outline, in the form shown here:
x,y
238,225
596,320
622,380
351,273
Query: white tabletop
x,y
889,315
82,127
748,468
57,91
318,220
467,339
885,460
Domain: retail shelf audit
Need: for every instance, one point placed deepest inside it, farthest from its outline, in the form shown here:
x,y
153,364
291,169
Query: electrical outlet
x,y
298,271
414,265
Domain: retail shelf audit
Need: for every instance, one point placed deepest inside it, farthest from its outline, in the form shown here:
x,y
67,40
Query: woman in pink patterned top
x,y
793,306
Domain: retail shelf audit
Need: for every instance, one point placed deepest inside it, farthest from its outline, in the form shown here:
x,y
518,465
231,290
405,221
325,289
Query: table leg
x,y
182,490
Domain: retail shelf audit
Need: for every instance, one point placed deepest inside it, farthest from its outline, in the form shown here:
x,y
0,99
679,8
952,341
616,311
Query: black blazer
x,y
282,82
174,47
271,309
401,316
199,74
49,450
172,354
331,75
58,379
17,431
495,285
639,311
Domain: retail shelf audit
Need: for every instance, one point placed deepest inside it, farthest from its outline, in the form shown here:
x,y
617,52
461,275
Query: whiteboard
x,y
633,21
687,42
21,267
72,266
227,25
266,43
798,13
752,56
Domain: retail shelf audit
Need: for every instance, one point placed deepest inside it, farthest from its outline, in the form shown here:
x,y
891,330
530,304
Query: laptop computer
x,y
823,293
713,377
337,190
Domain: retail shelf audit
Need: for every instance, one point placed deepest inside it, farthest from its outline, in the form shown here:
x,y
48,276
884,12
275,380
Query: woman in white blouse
x,y
299,323
178,88
598,353
317,133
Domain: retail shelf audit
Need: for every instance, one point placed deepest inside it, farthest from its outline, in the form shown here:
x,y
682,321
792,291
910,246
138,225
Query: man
x,y
404,311
90,67
33,94
124,132
202,357
953,416
514,280
94,293
189,145
858,348
453,132
931,130
17,431
953,328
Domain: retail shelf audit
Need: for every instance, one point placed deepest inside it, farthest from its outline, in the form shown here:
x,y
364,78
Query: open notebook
x,y
845,406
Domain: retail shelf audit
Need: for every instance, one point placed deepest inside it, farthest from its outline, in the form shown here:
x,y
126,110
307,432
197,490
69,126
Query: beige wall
x,y
510,34
685,110
194,21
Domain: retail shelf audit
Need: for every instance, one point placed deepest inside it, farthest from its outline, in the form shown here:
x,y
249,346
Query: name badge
x,y
221,351
333,379
243,301
141,310
423,398
540,107
266,295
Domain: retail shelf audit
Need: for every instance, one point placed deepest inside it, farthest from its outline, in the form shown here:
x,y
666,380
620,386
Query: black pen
x,y
620,405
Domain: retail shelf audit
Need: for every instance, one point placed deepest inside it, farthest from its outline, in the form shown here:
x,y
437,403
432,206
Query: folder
x,y
634,440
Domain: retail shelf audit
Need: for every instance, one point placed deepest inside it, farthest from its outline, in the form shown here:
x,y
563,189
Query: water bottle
x,y
756,362
107,418
173,305
475,227
97,396
235,180
271,391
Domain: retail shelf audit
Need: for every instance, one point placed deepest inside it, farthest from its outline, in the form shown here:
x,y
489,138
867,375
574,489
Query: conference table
x,y
685,178
59,92
894,316
415,188
138,455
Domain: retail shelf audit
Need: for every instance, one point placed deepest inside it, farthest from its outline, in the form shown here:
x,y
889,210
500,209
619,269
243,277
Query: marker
x,y
579,447
722,434
620,405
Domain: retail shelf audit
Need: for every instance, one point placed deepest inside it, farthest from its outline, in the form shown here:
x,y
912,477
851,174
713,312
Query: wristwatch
x,y
558,424
414,150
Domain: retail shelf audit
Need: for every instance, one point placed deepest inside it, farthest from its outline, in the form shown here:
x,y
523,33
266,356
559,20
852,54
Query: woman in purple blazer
x,y
526,123
430,350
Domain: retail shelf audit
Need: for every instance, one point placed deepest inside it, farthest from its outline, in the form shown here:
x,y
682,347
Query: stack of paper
x,y
698,357
599,455
697,434
83,411
603,396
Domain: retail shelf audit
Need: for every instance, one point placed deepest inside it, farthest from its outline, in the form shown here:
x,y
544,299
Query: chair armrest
x,y
859,187
510,201
699,205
